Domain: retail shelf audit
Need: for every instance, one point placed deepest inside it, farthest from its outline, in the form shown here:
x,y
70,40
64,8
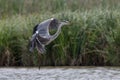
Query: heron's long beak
x,y
66,23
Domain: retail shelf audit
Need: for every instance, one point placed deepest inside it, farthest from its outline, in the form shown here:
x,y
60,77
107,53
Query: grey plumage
x,y
41,35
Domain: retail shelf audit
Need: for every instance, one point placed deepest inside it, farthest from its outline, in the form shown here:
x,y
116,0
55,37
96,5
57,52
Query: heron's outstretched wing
x,y
43,27
36,42
32,43
40,46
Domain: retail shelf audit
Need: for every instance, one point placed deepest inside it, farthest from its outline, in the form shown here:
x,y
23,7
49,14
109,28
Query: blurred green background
x,y
91,39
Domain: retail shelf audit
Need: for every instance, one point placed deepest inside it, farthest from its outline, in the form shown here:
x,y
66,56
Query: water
x,y
61,73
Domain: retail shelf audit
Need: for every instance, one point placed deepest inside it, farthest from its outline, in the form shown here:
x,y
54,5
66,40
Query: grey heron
x,y
41,35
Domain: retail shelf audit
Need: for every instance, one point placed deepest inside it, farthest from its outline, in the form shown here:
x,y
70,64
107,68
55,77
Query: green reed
x,y
91,38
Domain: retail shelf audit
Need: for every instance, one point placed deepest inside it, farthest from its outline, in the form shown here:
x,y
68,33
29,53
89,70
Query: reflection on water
x,y
60,73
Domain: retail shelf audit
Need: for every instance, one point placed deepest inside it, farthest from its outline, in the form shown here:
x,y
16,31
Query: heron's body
x,y
41,35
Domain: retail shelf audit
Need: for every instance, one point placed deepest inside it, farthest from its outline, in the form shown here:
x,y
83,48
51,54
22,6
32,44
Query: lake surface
x,y
61,73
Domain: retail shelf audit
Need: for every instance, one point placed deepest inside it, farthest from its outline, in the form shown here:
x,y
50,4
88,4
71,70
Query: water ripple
x,y
60,73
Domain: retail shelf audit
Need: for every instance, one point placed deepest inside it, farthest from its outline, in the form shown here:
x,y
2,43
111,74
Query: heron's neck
x,y
57,33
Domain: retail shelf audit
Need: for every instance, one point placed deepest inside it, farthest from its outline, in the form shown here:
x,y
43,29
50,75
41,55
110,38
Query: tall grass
x,y
92,38
10,7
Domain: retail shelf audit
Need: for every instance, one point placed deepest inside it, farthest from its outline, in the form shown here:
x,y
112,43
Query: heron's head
x,y
64,22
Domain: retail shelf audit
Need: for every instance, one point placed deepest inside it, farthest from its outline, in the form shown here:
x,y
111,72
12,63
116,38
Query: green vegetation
x,y
92,38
